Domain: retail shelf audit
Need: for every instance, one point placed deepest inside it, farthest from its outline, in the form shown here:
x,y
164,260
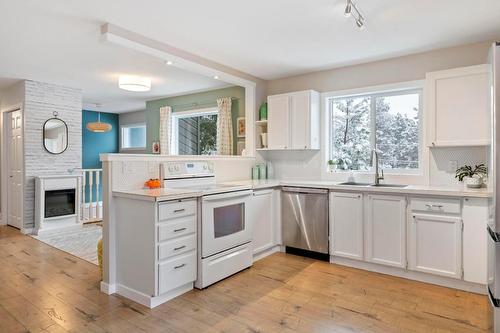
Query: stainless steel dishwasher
x,y
304,213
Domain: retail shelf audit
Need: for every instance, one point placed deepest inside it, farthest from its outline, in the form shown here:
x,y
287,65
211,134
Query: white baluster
x,y
84,185
97,182
91,186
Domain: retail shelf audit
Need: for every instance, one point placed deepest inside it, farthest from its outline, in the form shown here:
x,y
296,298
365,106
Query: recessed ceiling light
x,y
216,77
134,83
168,62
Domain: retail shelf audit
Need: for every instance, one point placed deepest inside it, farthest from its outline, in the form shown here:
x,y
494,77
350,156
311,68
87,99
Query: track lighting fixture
x,y
352,10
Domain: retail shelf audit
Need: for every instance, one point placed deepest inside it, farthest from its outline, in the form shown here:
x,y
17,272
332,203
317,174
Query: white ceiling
x,y
268,39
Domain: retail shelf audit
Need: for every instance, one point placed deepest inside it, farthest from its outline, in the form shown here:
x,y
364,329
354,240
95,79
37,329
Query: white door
x,y
262,215
346,225
278,122
385,232
14,169
300,128
436,245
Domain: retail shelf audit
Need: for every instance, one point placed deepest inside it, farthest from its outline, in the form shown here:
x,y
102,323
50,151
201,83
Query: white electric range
x,y
224,226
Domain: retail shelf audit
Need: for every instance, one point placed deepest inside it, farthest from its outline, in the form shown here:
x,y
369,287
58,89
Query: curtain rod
x,y
208,102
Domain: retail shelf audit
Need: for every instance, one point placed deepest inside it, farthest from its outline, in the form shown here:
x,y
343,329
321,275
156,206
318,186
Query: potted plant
x,y
472,177
331,165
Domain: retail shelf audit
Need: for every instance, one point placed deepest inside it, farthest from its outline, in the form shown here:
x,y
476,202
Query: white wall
x,y
311,165
41,100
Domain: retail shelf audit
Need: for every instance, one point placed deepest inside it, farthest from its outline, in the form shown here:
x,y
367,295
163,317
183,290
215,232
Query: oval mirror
x,y
55,136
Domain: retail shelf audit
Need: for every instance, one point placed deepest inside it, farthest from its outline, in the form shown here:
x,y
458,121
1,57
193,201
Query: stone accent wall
x,y
41,100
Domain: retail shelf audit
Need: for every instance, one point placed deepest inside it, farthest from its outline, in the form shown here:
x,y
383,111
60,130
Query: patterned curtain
x,y
165,129
224,127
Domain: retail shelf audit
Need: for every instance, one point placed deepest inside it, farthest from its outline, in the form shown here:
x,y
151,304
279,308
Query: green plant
x,y
331,162
467,171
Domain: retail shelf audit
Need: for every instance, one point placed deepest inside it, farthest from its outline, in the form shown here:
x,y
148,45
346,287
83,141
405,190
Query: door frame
x,y
5,163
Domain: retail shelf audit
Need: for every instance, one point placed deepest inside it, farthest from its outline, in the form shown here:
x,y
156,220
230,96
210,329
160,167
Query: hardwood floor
x,y
45,290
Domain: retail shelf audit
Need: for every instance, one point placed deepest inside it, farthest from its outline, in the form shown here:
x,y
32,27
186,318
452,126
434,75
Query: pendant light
x,y
99,127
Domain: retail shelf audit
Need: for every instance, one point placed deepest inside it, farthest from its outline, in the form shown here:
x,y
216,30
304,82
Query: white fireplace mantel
x,y
56,183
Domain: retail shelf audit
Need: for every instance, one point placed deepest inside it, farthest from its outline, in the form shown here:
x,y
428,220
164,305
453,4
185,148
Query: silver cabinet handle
x,y
180,266
437,206
179,248
179,210
428,206
178,230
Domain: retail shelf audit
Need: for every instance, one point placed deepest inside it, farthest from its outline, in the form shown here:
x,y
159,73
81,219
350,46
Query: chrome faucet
x,y
378,177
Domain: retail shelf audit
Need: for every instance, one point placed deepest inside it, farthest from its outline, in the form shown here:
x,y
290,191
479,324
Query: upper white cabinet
x,y
346,225
385,236
294,120
458,107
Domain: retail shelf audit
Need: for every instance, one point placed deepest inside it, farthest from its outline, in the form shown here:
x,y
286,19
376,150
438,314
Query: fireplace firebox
x,y
60,202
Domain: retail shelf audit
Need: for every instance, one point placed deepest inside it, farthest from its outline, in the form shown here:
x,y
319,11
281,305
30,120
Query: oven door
x,y
225,221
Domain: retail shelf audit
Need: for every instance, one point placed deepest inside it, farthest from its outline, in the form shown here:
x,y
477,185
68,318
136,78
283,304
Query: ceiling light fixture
x,y
98,126
352,10
134,83
216,77
168,62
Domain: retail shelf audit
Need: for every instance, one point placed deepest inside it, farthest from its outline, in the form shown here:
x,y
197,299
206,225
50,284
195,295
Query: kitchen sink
x,y
355,184
389,185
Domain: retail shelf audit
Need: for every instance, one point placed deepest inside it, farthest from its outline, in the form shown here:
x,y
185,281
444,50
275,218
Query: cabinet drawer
x,y
435,205
176,272
176,228
176,246
171,210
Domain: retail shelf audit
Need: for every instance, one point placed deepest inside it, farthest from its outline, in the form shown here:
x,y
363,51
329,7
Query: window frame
x,y
374,92
174,126
125,126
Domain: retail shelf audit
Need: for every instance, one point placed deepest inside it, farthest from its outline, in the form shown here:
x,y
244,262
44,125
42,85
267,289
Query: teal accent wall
x,y
191,102
94,144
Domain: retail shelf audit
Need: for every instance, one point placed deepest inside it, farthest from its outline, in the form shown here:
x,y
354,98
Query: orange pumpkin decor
x,y
153,183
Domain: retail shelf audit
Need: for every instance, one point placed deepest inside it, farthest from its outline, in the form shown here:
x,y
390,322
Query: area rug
x,y
81,243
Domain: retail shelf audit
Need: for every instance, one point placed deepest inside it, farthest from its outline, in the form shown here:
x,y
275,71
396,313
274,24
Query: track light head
x,y
360,23
348,9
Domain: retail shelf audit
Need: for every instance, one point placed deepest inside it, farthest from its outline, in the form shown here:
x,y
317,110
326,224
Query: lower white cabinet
x,y
264,227
436,244
385,231
475,216
346,225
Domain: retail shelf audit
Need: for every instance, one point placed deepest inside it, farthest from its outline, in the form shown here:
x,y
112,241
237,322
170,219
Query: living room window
x,y
133,136
388,121
194,132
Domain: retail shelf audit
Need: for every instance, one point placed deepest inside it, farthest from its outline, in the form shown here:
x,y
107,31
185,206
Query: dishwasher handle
x,y
304,190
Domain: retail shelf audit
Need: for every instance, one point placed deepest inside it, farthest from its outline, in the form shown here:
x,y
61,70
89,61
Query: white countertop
x,y
411,189
159,194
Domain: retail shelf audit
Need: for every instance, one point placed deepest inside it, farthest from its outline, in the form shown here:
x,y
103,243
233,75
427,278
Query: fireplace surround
x,y
57,202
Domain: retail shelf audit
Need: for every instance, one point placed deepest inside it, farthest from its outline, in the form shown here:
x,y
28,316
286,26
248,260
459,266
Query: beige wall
x,y
406,68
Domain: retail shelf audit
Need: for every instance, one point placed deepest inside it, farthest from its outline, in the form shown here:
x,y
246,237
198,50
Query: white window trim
x,y
385,89
122,127
174,146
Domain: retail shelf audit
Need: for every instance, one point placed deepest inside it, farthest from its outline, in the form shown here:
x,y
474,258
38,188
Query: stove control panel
x,y
179,169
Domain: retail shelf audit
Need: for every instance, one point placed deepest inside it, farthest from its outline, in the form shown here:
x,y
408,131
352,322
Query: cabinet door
x,y
385,232
278,122
276,203
436,245
262,216
346,225
300,120
475,242
458,106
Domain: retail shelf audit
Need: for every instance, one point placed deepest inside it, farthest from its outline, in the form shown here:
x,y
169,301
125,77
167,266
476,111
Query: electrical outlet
x,y
452,166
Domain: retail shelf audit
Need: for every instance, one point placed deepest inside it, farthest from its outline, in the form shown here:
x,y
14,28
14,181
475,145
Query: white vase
x,y
474,181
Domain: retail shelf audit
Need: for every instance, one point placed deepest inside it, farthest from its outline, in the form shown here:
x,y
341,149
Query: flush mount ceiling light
x,y
134,83
352,10
98,126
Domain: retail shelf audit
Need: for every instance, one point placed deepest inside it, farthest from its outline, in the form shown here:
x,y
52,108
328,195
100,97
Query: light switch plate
x,y
452,166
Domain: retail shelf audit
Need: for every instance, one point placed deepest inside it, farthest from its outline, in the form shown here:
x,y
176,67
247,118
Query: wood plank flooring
x,y
43,289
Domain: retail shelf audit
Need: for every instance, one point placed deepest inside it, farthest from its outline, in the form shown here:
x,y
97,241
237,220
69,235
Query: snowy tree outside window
x,y
389,121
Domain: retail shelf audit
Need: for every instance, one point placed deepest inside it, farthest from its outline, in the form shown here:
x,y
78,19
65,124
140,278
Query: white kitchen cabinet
x,y
458,107
294,121
264,228
436,244
346,225
475,219
385,230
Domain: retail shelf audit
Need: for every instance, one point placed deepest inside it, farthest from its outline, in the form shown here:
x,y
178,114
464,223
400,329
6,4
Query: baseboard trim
x,y
27,231
412,275
108,289
152,301
265,253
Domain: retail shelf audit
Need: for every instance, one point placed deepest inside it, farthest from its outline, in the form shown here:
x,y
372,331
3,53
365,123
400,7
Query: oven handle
x,y
230,195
